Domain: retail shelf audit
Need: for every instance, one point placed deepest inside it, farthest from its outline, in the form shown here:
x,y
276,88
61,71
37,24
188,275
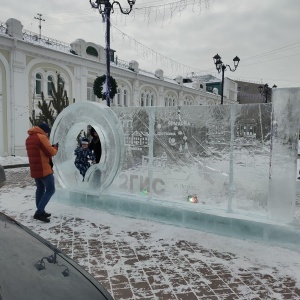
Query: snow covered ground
x,y
137,259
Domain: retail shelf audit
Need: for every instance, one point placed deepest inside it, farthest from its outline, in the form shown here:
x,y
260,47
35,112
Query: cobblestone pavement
x,y
132,265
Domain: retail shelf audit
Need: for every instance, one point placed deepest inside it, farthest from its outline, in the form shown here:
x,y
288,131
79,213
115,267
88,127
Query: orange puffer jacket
x,y
39,152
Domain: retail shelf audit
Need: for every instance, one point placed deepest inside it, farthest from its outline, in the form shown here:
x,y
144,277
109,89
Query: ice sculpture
x,y
69,124
283,158
238,159
220,153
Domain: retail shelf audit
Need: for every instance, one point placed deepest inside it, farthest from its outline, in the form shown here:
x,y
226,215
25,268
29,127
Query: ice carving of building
x,y
240,161
28,64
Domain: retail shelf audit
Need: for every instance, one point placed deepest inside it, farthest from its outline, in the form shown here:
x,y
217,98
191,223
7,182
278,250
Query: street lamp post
x,y
105,9
220,66
266,91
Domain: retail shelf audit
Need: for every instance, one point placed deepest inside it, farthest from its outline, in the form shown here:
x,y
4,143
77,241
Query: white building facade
x,y
28,64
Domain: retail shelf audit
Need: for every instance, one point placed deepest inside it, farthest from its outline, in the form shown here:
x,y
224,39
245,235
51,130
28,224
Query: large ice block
x,y
283,156
218,153
236,160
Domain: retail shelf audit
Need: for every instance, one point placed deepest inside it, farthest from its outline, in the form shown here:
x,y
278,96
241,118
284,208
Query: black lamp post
x,y
105,8
266,91
220,66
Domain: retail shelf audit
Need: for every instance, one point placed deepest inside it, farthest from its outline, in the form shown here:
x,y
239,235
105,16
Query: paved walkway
x,y
133,264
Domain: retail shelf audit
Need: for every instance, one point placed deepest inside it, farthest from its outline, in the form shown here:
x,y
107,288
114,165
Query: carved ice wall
x,y
235,158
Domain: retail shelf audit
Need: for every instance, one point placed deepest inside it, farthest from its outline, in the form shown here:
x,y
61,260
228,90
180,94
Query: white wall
x,y
26,58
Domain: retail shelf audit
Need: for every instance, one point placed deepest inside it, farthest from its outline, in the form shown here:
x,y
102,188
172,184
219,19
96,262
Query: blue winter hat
x,y
44,127
84,141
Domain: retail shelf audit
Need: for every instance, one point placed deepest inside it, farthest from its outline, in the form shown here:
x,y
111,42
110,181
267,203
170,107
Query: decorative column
x,y
19,111
135,93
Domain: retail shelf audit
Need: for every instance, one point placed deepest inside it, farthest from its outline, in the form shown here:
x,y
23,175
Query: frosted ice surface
x,y
233,158
69,125
284,148
173,152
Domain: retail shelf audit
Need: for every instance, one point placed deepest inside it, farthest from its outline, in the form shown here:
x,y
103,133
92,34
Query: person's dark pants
x,y
45,188
82,167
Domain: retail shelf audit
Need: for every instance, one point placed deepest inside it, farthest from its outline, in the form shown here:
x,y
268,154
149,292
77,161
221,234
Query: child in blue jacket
x,y
83,156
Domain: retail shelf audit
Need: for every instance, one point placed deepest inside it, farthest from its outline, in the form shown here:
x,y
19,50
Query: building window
x,y
122,97
119,97
49,85
91,51
152,100
147,98
38,84
90,92
142,99
125,97
170,100
188,101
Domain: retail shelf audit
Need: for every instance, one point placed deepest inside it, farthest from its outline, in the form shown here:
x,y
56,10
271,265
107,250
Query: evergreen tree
x,y
50,110
46,113
60,99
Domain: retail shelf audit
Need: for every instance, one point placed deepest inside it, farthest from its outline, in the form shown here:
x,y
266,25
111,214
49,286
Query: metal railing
x,y
30,36
121,63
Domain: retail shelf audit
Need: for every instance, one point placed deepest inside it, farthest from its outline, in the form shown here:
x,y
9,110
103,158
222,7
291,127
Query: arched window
x,y
125,97
119,97
142,99
188,100
49,85
122,97
90,92
38,84
91,51
170,99
152,100
147,97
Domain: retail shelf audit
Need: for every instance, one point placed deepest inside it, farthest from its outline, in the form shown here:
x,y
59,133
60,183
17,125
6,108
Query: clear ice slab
x,y
237,161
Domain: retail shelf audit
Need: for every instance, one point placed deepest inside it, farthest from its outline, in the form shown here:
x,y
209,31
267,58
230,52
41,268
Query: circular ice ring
x,y
65,131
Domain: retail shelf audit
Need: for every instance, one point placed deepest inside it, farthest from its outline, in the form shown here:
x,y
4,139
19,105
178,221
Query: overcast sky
x,y
182,36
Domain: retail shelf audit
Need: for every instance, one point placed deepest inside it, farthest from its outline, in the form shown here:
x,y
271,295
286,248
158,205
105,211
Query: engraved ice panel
x,y
237,159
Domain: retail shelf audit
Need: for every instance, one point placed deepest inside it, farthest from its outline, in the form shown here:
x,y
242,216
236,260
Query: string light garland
x,y
160,59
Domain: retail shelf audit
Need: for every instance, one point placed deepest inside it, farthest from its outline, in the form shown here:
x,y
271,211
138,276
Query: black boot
x,y
41,217
47,215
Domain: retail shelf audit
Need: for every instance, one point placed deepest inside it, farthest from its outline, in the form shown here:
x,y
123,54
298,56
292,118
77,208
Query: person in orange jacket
x,y
40,153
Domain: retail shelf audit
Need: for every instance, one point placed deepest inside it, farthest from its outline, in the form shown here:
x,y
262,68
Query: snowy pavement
x,y
137,259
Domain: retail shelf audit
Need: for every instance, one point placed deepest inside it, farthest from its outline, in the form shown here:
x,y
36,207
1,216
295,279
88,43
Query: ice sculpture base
x,y
193,216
